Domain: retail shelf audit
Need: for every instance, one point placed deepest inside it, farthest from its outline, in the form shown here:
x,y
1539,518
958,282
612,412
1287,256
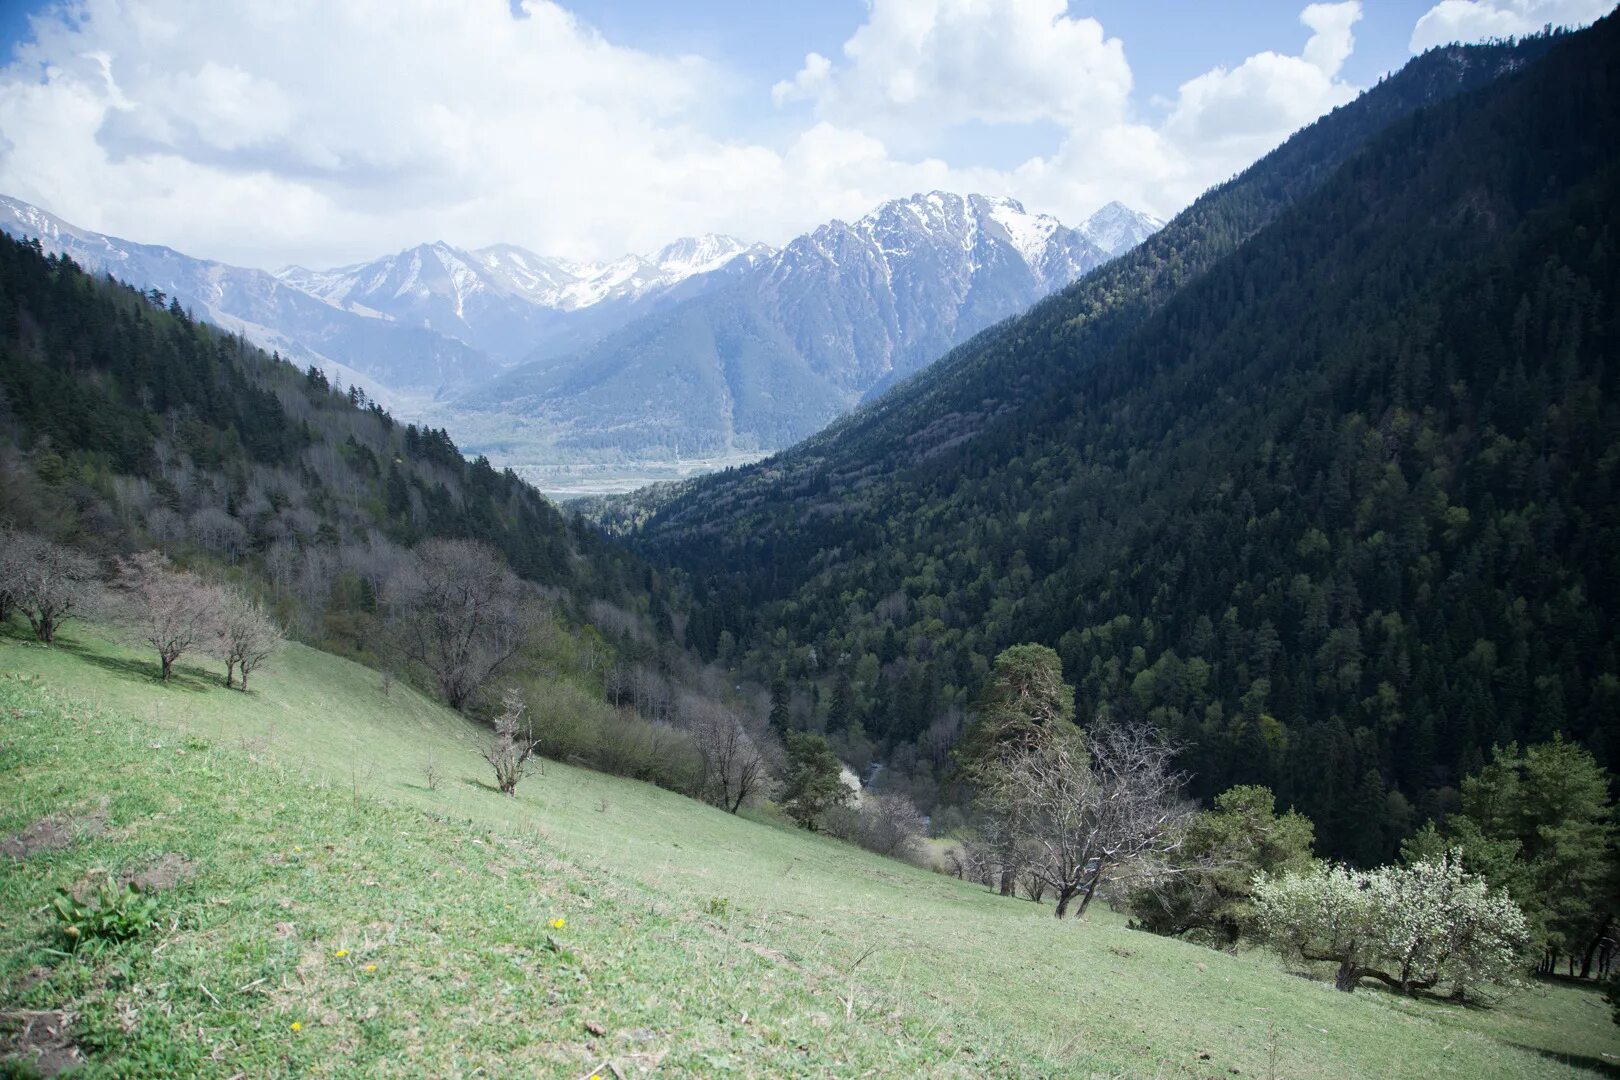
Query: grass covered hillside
x,y
327,911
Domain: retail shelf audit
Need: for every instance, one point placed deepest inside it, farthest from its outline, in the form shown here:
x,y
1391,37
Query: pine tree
x,y
814,782
779,702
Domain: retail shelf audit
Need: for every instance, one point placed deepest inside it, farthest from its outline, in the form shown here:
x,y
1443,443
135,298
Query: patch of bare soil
x,y
53,833
164,872
167,871
41,1039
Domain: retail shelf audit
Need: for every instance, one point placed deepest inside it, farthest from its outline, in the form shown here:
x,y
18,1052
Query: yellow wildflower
x,y
296,1026
371,967
341,953
559,923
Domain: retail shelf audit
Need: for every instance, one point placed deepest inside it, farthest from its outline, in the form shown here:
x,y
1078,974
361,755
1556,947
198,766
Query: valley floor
x,y
528,447
562,482
337,914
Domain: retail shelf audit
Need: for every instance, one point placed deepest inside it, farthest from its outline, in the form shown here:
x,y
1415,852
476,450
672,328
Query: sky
x,y
323,132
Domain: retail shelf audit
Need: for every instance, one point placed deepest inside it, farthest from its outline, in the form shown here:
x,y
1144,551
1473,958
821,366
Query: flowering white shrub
x,y
1440,924
1412,927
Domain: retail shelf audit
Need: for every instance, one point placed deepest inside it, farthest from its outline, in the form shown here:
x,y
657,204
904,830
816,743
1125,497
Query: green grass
x,y
304,807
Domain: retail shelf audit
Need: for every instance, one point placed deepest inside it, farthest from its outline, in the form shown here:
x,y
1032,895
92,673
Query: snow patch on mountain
x,y
1116,228
1025,231
443,272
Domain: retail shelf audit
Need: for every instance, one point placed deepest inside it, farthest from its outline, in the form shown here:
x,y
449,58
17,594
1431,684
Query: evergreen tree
x,y
1539,823
1025,696
815,782
779,717
841,709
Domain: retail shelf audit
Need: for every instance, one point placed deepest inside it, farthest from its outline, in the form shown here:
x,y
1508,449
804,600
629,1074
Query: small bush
x,y
509,751
887,824
843,823
111,914
890,825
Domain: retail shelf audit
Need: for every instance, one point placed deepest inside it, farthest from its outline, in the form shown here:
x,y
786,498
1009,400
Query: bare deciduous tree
x,y
173,611
890,825
1003,847
245,636
48,582
10,571
1085,809
509,752
219,532
460,613
734,765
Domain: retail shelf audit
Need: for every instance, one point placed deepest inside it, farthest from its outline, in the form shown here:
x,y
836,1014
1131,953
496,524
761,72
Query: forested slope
x,y
1321,480
126,423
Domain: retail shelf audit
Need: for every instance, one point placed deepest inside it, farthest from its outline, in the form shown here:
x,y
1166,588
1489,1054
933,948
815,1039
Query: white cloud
x,y
917,68
928,64
1477,20
1241,113
257,131
810,82
324,131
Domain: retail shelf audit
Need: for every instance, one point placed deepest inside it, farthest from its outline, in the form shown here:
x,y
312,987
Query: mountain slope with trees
x,y
1319,481
125,423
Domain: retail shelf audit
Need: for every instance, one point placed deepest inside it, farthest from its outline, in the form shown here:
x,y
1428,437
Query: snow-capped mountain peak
x,y
273,310
697,254
1028,233
787,341
975,227
502,298
1116,228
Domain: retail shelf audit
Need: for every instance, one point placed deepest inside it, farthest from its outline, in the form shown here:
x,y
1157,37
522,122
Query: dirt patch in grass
x,y
41,1039
53,833
167,871
164,872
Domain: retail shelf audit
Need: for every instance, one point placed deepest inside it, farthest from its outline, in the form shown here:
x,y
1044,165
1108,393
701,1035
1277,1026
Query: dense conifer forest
x,y
1321,481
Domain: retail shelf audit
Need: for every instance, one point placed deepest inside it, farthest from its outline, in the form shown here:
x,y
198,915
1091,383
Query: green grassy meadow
x,y
345,918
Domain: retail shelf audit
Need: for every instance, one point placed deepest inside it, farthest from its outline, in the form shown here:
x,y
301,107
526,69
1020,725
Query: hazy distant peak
x,y
1116,228
697,254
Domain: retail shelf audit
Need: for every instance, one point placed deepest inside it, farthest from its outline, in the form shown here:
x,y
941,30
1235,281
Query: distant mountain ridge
x,y
708,346
791,340
506,300
381,354
429,322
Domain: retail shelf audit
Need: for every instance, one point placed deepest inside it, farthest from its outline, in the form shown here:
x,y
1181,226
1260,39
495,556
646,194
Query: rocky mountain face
x,y
797,337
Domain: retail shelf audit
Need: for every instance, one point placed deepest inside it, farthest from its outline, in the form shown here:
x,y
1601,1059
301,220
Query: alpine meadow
x,y
1130,585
